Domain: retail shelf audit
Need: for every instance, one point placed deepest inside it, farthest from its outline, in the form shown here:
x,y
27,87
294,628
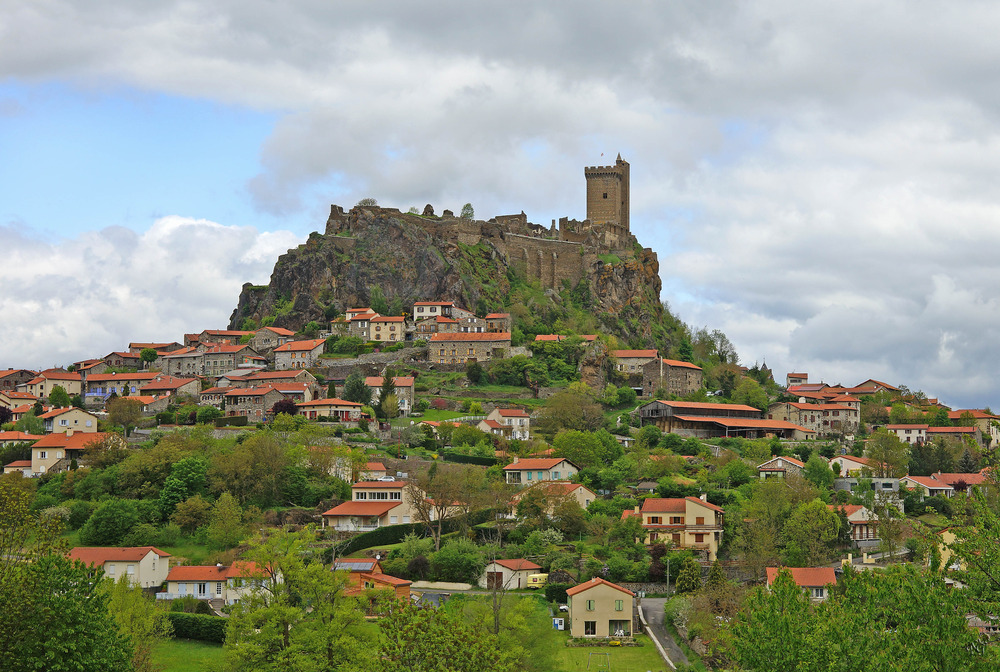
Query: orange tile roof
x,y
94,555
374,466
384,318
757,423
470,336
707,406
78,441
17,464
952,479
805,577
536,463
59,375
280,331
634,354
59,411
951,430
663,505
301,346
258,391
928,482
679,363
214,572
434,303
168,383
518,564
398,381
596,581
329,401
362,509
549,337
497,316
493,424
512,413
108,377
18,436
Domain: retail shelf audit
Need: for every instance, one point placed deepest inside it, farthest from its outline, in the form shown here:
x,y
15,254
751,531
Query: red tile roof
x,y
805,577
374,466
108,377
634,354
536,463
301,346
379,484
745,422
329,401
596,581
280,331
215,572
470,336
257,391
398,381
167,383
267,375
493,424
59,411
434,303
18,436
78,441
362,509
384,318
385,578
18,464
512,413
928,482
679,363
497,316
707,406
92,555
518,564
952,479
663,505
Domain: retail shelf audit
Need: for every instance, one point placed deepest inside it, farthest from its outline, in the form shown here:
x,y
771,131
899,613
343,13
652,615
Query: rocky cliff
x,y
405,258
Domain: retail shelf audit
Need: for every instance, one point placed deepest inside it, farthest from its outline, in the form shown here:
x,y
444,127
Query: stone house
x,y
687,523
532,470
422,309
124,360
672,375
269,338
404,391
508,574
10,379
221,358
599,608
498,322
298,354
631,362
821,418
100,386
779,467
984,421
462,348
161,348
813,580
793,379
188,361
170,386
391,329
55,452
42,384
959,433
214,396
223,336
276,377
355,322
145,566
253,402
62,420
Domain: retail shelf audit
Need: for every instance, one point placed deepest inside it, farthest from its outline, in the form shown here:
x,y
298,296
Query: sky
x,y
817,179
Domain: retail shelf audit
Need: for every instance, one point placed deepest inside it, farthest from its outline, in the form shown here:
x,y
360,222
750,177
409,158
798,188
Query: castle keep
x,y
554,255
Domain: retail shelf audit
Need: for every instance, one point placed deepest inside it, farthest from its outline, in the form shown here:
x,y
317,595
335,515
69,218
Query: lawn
x,y
622,658
188,655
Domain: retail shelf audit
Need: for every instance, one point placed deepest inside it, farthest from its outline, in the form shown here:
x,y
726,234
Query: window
x,y
529,475
130,570
605,194
676,538
676,520
539,475
590,605
42,455
555,475
110,570
699,520
393,520
818,592
699,538
590,628
654,520
218,588
619,605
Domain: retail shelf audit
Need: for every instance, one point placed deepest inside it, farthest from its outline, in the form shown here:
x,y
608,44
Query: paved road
x,y
652,608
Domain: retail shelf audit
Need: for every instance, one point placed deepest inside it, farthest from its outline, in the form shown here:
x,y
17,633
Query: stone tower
x,y
607,199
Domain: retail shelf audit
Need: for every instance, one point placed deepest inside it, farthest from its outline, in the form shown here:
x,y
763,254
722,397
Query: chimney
x,y
637,508
703,496
69,433
515,459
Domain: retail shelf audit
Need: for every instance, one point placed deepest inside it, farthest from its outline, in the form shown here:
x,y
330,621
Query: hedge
x,y
470,459
231,421
393,534
198,626
556,592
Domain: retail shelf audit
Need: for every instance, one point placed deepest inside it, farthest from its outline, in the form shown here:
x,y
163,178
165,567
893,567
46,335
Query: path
x,y
652,609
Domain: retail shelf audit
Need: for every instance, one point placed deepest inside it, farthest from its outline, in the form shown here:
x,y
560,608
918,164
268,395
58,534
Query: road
x,y
652,608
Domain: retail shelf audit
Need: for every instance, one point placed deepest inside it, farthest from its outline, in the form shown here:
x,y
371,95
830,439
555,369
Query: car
x,y
386,478
563,607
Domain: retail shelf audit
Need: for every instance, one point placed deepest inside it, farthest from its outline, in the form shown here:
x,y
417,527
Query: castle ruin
x,y
551,255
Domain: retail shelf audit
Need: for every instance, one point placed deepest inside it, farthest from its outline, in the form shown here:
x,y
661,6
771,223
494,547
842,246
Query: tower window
x,y
605,195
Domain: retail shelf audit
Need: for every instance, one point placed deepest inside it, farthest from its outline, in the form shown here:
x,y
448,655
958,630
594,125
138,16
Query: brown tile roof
x,y
805,577
518,564
383,318
470,336
17,464
329,401
168,383
512,413
634,354
596,581
536,463
301,346
707,406
362,509
497,316
681,364
398,381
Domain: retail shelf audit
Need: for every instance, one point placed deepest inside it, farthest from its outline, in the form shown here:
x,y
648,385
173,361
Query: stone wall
x,y
550,261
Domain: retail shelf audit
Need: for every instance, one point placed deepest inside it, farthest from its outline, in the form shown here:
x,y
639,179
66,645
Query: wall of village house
x,y
460,352
605,599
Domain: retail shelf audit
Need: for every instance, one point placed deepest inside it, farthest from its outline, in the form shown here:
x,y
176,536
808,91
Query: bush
x,y
198,626
556,592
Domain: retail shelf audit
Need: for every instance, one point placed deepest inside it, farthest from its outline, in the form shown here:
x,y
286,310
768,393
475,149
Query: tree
x,y
355,389
124,412
58,397
468,212
298,617
748,391
54,615
109,523
570,410
331,390
192,513
967,464
436,496
389,406
286,406
388,388
207,414
226,527
30,423
809,534
367,203
689,578
890,455
818,472
474,372
783,608
148,356
138,619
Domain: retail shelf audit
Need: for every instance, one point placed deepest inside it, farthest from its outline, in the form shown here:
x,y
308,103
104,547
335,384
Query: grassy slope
x,y
187,655
623,658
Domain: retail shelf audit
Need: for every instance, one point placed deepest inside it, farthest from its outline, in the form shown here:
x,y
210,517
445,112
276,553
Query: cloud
x,y
81,298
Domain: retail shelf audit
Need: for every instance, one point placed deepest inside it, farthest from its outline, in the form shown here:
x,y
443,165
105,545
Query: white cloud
x,y
79,298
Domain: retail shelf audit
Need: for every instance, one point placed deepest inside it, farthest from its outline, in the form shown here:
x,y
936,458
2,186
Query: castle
x,y
551,255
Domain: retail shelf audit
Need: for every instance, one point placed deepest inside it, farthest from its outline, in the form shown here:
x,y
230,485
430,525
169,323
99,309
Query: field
x,y
187,655
622,658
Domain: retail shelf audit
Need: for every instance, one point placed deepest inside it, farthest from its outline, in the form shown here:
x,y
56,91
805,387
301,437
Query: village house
x,y
511,423
687,523
599,608
498,322
23,466
850,465
988,423
355,322
55,452
532,470
556,492
384,328
253,402
42,384
298,354
145,566
864,524
404,391
337,410
589,338
213,396
188,361
819,418
958,433
909,433
779,467
961,482
927,486
222,336
274,378
297,392
423,309
170,386
100,386
707,420
62,420
161,348
10,379
365,574
631,362
224,584
373,504
266,339
221,358
793,379
123,360
508,574
10,399
151,404
815,581
672,376
462,348
12,437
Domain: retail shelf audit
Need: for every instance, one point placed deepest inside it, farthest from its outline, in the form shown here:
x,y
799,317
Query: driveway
x,y
652,609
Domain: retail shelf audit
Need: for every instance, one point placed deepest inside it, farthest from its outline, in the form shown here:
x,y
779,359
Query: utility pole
x,y
668,576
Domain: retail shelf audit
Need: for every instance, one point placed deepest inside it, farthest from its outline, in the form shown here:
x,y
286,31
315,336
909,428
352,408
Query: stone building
x,y
384,328
461,348
298,354
608,200
674,376
253,402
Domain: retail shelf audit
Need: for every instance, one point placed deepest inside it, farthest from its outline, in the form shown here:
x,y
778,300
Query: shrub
x,y
556,592
198,626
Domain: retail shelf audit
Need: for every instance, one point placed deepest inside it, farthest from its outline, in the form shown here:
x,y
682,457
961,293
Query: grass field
x,y
188,655
622,658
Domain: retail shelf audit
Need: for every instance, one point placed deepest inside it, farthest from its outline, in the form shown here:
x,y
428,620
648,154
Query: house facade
x,y
224,583
341,410
508,574
821,418
62,420
253,402
404,391
534,470
686,523
55,452
779,467
145,566
298,354
460,348
373,504
389,329
672,376
599,608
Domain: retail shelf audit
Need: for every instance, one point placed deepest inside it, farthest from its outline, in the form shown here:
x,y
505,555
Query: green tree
x,y
148,356
110,523
748,391
192,513
138,619
468,212
355,389
124,412
388,388
716,579
367,202
474,372
772,631
207,414
30,423
58,397
818,472
389,406
890,455
226,527
809,534
689,578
